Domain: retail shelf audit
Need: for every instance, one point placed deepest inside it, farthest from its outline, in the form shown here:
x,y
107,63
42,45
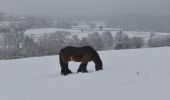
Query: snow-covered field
x,y
141,74
40,31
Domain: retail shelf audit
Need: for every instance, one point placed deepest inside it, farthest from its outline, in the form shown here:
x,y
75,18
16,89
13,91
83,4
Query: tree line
x,y
14,43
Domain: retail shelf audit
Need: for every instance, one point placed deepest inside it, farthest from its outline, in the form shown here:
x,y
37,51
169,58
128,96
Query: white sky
x,y
71,7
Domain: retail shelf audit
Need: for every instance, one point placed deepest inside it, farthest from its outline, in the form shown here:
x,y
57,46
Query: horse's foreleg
x,y
82,68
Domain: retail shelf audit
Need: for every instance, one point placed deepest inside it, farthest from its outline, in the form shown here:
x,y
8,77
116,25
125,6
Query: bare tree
x,y
4,41
18,30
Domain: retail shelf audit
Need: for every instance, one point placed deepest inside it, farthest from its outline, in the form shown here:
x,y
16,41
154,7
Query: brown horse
x,y
79,54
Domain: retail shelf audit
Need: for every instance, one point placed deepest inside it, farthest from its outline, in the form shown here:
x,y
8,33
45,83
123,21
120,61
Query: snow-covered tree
x,y
84,42
43,44
122,41
159,42
107,39
11,42
137,42
29,47
61,35
5,41
167,41
95,41
126,41
154,42
119,36
18,31
74,41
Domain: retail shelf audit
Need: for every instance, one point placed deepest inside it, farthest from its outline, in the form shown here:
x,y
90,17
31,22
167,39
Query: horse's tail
x,y
61,60
63,65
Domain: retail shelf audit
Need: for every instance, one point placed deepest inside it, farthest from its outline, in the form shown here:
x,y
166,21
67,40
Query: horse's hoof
x,y
84,71
78,71
66,72
99,69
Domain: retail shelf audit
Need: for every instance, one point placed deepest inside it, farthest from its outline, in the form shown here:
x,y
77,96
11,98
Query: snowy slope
x,y
141,74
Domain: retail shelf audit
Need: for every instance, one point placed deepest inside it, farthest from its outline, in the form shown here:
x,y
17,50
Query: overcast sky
x,y
78,7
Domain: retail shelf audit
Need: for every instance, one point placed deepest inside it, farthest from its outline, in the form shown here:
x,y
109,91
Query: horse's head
x,y
99,65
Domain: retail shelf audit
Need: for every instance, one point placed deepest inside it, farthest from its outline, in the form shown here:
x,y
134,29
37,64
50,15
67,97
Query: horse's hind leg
x,y
82,68
65,70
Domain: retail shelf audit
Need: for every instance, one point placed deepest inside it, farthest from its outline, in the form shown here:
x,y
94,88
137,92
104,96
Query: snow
x,y
38,32
134,74
4,23
144,35
48,30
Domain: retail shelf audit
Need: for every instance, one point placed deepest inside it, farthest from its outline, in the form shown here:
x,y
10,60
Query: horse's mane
x,y
92,51
96,57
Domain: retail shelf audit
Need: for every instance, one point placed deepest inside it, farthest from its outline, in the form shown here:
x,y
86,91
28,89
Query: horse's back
x,y
77,53
77,50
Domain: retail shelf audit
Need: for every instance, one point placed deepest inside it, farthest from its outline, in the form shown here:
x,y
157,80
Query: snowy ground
x,y
141,74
